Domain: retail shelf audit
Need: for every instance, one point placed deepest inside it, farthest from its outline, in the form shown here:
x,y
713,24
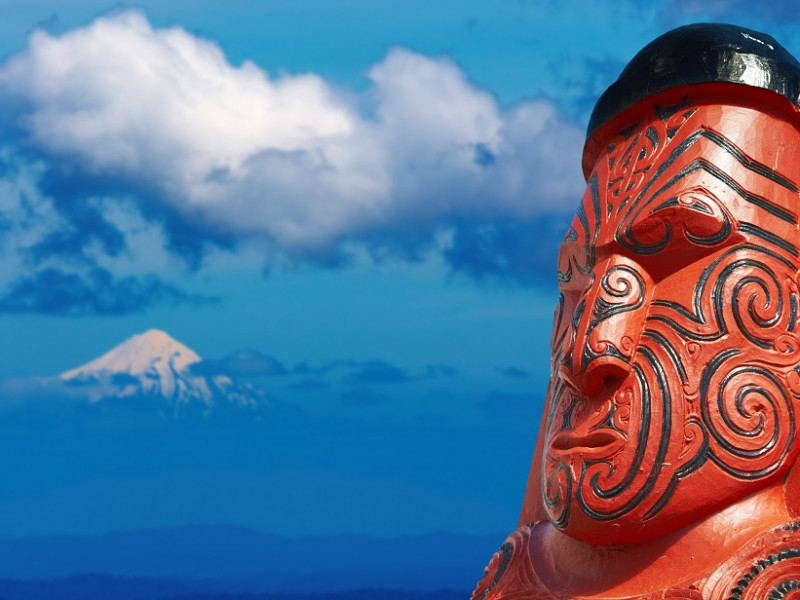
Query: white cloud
x,y
290,159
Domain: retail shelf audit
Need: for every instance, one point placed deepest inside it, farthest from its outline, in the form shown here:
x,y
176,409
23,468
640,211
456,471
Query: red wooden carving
x,y
663,466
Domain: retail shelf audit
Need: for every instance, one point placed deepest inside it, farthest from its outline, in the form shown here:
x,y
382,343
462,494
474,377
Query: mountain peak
x,y
153,352
156,365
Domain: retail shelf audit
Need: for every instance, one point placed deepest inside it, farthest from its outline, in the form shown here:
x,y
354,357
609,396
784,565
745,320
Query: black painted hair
x,y
701,53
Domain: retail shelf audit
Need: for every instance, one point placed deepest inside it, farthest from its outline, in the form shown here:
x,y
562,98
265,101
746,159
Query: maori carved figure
x,y
665,463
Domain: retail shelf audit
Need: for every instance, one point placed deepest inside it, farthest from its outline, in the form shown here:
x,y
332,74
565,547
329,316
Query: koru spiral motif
x,y
675,343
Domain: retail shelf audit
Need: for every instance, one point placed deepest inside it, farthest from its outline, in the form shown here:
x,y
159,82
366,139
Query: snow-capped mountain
x,y
153,364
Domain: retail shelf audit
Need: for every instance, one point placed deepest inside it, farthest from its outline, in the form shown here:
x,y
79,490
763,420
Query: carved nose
x,y
606,327
601,373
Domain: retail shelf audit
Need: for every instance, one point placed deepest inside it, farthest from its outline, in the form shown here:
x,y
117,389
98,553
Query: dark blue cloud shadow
x,y
242,363
371,371
514,372
377,371
73,191
56,292
517,252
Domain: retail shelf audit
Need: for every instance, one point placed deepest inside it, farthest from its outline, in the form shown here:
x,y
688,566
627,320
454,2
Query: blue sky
x,y
370,191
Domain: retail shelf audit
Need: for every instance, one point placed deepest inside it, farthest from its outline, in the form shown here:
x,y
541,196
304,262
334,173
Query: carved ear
x,y
792,491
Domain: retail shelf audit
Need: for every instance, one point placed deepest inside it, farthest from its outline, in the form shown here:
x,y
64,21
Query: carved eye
x,y
704,220
652,232
695,216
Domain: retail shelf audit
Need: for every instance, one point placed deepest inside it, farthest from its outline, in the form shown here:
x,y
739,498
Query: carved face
x,y
676,341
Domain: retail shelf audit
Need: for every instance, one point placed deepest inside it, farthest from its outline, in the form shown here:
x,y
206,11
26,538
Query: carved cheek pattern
x,y
743,324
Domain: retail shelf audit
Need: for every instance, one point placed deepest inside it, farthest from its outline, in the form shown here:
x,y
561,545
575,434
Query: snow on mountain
x,y
156,365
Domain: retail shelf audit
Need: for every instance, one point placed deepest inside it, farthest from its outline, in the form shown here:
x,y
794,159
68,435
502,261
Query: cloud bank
x,y
218,153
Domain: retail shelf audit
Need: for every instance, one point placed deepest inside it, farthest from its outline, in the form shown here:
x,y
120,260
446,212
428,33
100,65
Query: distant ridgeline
x,y
104,587
237,563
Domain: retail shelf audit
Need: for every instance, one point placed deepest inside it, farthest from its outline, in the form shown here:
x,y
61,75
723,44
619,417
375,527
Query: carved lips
x,y
598,444
590,427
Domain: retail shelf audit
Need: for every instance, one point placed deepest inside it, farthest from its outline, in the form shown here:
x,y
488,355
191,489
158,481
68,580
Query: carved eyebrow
x,y
701,164
768,237
748,163
762,203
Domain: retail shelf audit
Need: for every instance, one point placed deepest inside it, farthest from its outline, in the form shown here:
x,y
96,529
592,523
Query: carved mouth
x,y
593,441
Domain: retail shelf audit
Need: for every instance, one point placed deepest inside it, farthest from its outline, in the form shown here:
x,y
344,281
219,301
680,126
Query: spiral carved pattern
x,y
775,577
746,410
